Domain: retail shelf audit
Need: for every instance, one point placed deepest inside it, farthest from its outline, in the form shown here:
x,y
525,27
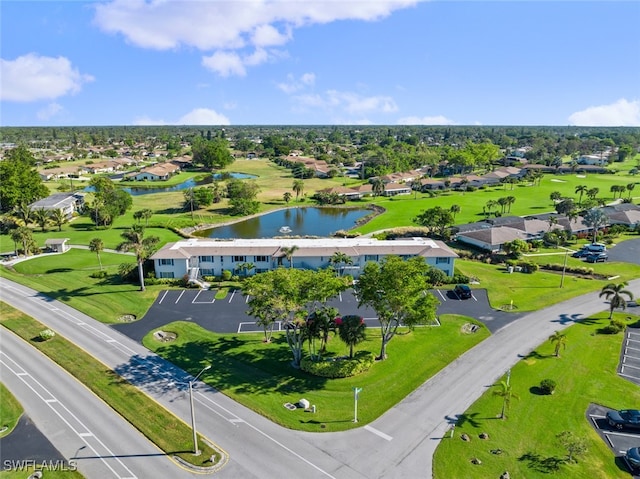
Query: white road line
x,y
381,434
444,298
180,296
163,296
194,299
232,295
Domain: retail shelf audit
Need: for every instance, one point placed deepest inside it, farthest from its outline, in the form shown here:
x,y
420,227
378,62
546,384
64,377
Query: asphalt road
x,y
81,427
399,444
627,251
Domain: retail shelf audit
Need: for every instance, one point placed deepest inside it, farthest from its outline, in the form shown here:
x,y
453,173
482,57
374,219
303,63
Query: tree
x,y
565,206
97,246
298,188
41,218
555,196
144,214
437,219
286,197
560,341
505,391
510,201
242,197
516,247
630,187
212,153
574,445
58,217
23,236
455,209
142,247
490,205
595,218
352,331
615,294
288,253
593,192
397,290
109,202
581,190
340,258
19,180
377,187
24,212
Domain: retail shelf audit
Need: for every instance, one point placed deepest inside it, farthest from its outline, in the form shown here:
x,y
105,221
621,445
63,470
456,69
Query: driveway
x,y
229,315
627,251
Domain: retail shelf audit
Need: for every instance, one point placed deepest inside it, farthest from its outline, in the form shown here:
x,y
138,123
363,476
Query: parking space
x,y
629,367
618,441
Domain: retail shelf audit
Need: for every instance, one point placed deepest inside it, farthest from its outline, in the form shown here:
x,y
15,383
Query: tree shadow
x,y
535,355
537,391
471,419
59,270
546,465
568,318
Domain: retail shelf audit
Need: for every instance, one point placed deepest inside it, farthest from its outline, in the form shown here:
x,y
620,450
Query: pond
x,y
311,221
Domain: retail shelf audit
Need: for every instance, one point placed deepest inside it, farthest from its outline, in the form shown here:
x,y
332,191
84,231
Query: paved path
x,y
399,444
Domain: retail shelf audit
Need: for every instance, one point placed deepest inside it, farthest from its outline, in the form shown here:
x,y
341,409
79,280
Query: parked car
x,y
596,247
581,253
462,291
596,257
625,418
632,458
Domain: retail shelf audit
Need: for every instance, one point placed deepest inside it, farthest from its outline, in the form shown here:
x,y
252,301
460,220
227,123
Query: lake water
x,y
310,221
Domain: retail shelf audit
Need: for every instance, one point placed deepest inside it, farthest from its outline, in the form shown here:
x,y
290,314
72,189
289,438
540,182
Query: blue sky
x,y
271,62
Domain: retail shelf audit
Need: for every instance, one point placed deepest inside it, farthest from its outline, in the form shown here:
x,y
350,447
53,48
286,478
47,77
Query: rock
x,y
476,461
465,437
505,475
483,435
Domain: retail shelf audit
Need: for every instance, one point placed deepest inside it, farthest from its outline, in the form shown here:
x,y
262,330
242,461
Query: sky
x,y
306,62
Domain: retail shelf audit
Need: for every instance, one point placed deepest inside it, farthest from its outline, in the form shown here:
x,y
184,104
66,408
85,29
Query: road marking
x,y
444,298
163,296
232,295
180,296
381,434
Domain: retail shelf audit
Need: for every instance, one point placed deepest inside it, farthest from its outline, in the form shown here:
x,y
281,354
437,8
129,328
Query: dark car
x,y
632,458
581,253
462,291
597,257
625,418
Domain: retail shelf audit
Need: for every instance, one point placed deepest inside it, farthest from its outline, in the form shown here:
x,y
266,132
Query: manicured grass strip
x,y
260,376
48,474
10,411
585,373
170,434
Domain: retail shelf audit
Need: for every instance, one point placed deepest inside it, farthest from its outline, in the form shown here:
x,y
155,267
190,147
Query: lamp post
x,y
193,411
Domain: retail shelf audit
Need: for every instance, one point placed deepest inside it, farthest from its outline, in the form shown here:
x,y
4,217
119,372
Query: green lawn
x,y
10,411
162,428
530,292
260,376
585,373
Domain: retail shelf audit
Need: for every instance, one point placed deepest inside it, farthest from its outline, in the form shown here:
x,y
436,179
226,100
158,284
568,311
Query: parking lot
x,y
629,367
229,315
617,441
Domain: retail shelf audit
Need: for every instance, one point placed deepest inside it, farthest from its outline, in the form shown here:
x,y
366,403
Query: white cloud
x,y
48,112
293,84
346,102
229,26
426,120
225,64
197,116
620,113
33,77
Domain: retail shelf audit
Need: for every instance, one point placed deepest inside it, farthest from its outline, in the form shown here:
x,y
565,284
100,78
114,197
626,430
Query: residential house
x,y
67,202
157,172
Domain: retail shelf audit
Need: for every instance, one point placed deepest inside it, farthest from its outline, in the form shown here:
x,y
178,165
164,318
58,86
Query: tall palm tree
x,y
24,212
630,187
286,197
142,247
41,217
507,394
351,329
23,236
615,294
97,246
510,200
377,186
340,258
560,340
455,209
581,190
59,218
298,188
288,253
595,218
491,204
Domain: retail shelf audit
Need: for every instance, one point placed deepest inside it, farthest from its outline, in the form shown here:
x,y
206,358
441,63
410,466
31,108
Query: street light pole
x,y
193,411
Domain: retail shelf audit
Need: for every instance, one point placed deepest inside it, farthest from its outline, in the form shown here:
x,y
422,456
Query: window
x,y
166,262
165,274
206,259
262,259
238,259
371,257
442,260
207,272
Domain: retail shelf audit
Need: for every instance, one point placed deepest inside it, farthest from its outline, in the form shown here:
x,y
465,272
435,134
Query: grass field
x,y
10,411
165,430
585,373
260,376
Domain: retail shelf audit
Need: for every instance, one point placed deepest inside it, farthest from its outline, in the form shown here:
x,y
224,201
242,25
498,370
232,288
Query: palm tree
x,y
339,258
59,218
298,188
581,190
560,341
455,209
288,252
614,293
377,187
593,192
144,214
41,217
510,200
507,394
286,197
595,218
142,247
630,187
491,204
23,236
97,246
24,212
351,329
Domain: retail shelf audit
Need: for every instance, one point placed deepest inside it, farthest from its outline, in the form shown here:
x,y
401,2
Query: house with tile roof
x,y
197,257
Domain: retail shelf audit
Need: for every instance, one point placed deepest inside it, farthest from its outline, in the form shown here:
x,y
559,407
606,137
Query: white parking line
x,y
444,298
163,296
232,295
180,296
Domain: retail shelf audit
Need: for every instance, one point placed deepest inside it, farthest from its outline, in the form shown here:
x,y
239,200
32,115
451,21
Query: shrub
x,y
226,275
547,386
98,274
339,367
46,334
614,327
